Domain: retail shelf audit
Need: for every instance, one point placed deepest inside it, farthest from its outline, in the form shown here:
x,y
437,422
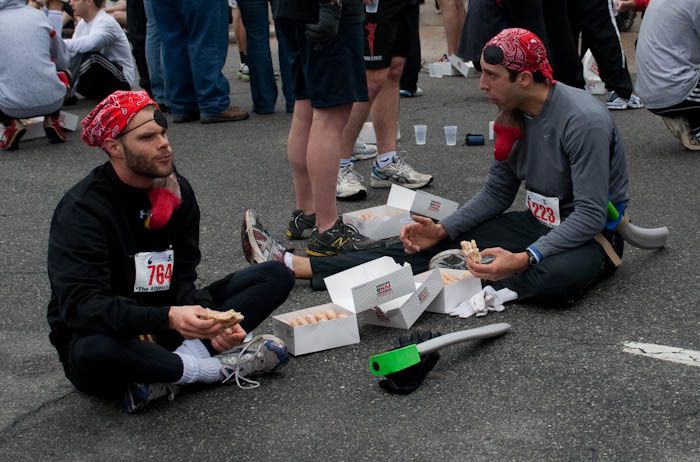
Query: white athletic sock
x,y
195,348
385,159
206,370
289,261
345,163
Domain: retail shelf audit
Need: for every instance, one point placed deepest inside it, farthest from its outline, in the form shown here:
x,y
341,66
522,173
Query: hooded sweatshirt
x,y
30,54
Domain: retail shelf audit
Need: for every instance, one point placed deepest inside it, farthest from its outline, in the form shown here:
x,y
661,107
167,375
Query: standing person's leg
x,y
137,30
453,17
286,68
297,145
263,87
154,58
411,70
563,46
241,42
385,106
176,60
207,47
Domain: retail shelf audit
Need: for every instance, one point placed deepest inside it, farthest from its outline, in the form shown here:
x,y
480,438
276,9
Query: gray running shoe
x,y
363,151
258,245
680,128
400,173
341,238
300,224
138,395
262,355
349,185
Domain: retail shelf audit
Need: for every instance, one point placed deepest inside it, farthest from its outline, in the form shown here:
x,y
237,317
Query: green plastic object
x,y
613,214
383,364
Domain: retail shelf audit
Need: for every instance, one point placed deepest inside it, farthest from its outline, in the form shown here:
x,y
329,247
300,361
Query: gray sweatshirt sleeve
x,y
495,197
587,144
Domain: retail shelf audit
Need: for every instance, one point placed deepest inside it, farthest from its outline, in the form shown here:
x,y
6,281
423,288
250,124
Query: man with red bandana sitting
x,y
561,144
125,315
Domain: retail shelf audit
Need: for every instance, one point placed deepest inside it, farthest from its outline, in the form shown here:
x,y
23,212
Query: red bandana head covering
x,y
112,115
522,51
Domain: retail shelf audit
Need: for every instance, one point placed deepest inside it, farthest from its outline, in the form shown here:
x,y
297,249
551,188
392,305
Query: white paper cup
x,y
372,7
451,135
421,132
491,134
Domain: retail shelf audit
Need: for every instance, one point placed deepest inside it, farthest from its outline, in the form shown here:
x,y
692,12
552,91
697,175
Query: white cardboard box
x,y
381,222
316,337
442,68
454,293
465,68
35,125
421,202
367,134
404,311
352,291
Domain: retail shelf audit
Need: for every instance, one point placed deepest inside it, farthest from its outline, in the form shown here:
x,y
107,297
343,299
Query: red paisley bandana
x,y
522,51
112,115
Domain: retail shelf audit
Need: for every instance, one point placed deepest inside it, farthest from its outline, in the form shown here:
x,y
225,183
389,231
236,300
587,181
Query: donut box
x,y
458,285
421,202
403,312
381,222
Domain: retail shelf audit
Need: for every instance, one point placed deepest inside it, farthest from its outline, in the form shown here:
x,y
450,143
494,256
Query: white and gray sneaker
x,y
400,173
349,185
363,151
680,128
262,355
616,102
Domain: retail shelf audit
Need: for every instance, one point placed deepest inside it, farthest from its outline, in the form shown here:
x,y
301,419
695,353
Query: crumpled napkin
x,y
487,299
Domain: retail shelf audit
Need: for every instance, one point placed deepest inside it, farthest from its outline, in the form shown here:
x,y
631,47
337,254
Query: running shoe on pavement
x,y
400,173
13,132
411,94
341,238
258,245
680,128
349,185
138,395
54,131
616,102
264,354
243,73
300,224
363,151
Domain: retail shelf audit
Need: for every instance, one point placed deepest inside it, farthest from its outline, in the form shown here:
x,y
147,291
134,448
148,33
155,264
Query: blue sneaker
x,y
138,395
262,355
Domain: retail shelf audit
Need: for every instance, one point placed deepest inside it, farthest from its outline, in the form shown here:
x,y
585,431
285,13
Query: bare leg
x,y
297,144
322,161
239,31
352,129
453,16
302,267
385,107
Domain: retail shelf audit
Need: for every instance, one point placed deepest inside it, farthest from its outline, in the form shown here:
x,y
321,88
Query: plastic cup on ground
x,y
420,131
372,7
451,135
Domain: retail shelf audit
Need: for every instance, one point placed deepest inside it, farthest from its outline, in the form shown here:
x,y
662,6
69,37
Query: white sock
x,y
195,348
206,370
345,163
289,261
385,159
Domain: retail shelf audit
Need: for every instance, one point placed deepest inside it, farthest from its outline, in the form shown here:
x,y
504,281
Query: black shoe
x,y
339,239
299,224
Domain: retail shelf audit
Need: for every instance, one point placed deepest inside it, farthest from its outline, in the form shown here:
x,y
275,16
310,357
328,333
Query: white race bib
x,y
154,271
545,209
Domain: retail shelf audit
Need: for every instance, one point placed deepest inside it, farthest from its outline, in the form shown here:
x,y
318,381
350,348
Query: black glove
x,y
408,380
324,31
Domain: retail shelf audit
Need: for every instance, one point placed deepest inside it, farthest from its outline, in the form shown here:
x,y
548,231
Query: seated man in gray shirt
x,y
561,144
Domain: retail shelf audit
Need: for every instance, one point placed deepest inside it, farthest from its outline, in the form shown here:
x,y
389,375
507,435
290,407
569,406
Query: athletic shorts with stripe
x,y
388,32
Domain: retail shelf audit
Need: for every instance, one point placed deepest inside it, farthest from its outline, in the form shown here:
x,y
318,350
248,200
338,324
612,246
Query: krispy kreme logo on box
x,y
435,205
384,289
423,295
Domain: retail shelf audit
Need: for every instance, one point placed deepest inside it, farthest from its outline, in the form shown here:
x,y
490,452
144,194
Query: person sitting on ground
x,y
668,66
30,86
101,60
125,316
571,161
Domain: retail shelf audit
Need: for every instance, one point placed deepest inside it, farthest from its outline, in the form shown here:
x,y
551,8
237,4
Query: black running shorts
x,y
389,32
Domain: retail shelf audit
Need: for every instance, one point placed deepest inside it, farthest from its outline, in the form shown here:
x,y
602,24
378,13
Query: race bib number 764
x,y
154,271
545,209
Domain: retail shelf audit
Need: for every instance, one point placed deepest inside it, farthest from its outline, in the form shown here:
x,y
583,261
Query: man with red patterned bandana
x,y
562,145
126,317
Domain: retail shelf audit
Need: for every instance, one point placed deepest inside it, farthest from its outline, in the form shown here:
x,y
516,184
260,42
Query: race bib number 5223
x,y
545,209
154,271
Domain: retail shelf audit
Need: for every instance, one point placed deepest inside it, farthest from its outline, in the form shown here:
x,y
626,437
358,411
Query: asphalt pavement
x,y
557,387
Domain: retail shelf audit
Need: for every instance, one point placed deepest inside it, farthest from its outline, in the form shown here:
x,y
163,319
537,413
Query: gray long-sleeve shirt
x,y
570,151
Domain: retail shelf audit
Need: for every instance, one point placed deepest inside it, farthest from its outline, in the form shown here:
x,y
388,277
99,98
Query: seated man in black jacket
x,y
125,315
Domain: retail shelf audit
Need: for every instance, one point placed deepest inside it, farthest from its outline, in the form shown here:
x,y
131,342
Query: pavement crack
x,y
31,413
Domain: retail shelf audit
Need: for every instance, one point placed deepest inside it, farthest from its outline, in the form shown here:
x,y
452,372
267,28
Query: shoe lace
x,y
402,166
243,382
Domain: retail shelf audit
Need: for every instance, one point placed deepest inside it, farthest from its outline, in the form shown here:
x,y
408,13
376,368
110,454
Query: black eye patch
x,y
158,118
493,55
